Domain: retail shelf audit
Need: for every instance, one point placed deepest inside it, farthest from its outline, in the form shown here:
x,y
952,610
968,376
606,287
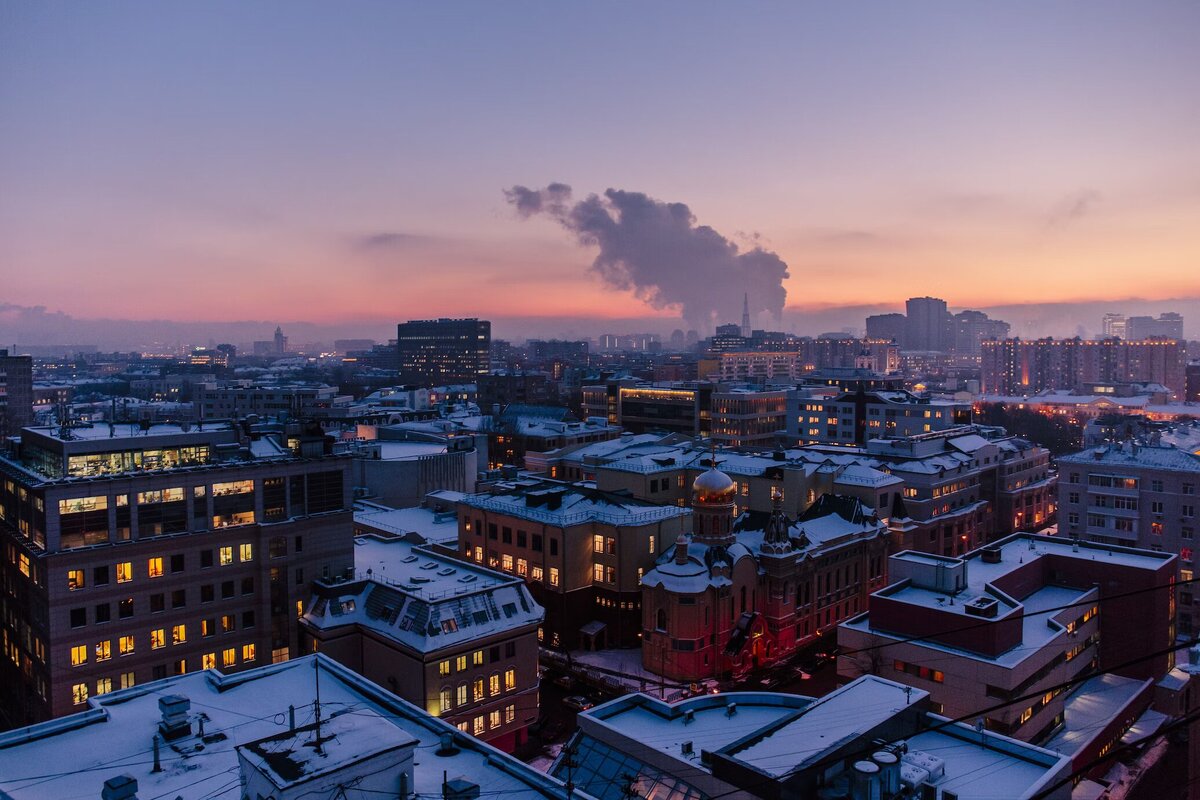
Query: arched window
x,y
661,620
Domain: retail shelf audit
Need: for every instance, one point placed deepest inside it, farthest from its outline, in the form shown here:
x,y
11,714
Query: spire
x,y
746,315
776,538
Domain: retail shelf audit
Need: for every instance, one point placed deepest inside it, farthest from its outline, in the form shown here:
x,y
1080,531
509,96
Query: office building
x,y
639,408
889,327
748,417
447,635
1136,494
853,417
1166,326
311,728
972,328
1018,619
436,352
872,739
134,552
1114,325
16,393
582,551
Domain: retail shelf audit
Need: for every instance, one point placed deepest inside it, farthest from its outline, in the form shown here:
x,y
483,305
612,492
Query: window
x,y
206,593
158,639
494,684
510,649
228,623
247,619
510,713
78,617
494,719
208,661
477,690
554,547
103,686
477,658
179,634
124,572
461,694
597,572
75,580
177,563
554,576
460,664
79,694
125,608
477,726
79,655
228,656
104,650
249,652
653,544
507,562
206,559
100,576
536,574
181,666
522,567
597,543
226,554
158,603
445,700
125,645
226,590
179,598
246,552
510,679
444,667
154,567
1156,486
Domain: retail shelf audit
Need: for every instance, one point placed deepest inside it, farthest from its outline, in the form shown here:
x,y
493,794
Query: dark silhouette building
x,y
435,352
16,393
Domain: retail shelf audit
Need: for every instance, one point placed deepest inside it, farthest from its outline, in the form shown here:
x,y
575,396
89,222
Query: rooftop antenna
x,y
317,703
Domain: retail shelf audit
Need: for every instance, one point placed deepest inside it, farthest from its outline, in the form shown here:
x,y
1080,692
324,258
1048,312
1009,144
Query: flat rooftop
x,y
828,723
433,526
421,571
73,756
1091,707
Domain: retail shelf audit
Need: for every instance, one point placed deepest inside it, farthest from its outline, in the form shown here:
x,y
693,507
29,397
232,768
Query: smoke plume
x,y
657,250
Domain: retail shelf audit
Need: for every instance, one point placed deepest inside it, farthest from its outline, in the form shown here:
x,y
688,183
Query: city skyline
x,y
357,165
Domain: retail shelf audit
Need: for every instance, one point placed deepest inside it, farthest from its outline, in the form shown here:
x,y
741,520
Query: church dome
x,y
714,487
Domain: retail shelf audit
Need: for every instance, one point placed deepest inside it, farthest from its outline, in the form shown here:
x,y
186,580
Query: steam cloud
x,y
657,250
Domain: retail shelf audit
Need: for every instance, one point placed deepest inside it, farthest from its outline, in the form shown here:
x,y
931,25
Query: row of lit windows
x,y
477,727
460,662
520,566
77,578
479,690
229,658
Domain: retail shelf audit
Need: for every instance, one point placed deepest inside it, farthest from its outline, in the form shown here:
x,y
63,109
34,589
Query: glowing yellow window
x,y
249,652
125,572
75,579
226,555
246,552
154,567
79,694
79,655
179,634
510,680
125,645
229,656
208,661
104,650
103,686
477,658
158,638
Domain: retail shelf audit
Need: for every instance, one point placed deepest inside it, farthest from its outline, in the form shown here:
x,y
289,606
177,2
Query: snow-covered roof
x,y
571,504
432,525
422,599
1092,706
1136,455
73,756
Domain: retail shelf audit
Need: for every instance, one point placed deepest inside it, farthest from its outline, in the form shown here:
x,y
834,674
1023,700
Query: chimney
x,y
681,550
174,723
122,787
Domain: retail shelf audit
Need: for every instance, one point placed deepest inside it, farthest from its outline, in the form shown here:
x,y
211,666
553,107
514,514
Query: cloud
x,y
656,250
1074,206
388,241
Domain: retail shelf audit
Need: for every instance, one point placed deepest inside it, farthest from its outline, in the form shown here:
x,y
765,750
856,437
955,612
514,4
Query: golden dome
x,y
714,487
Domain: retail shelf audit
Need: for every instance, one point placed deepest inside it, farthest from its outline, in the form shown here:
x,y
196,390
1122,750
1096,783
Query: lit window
x,y
507,562
510,679
597,543
124,572
510,713
79,694
536,574
597,573
522,567
127,680
477,658
103,686
158,638
249,652
125,645
154,567
75,579
246,552
444,667
461,693
653,544
554,576
445,700
478,725
208,661
494,684
494,719
477,690
226,555
79,655
179,634
104,650
229,656
460,664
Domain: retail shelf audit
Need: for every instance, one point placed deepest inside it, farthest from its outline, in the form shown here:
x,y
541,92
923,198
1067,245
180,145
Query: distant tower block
x,y
746,316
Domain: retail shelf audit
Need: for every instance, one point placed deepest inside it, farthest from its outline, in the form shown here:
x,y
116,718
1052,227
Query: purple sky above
x,y
332,162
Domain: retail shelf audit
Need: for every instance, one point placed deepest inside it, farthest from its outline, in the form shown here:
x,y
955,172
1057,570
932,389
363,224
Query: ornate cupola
x,y
713,495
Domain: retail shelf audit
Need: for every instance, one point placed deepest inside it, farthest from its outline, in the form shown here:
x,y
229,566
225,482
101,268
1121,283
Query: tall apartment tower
x,y
1115,325
929,324
435,352
16,393
132,553
746,331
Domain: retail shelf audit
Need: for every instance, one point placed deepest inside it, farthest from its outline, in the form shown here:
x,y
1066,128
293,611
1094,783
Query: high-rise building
x,y
929,324
136,552
888,327
1016,368
972,328
436,352
281,341
1115,325
16,393
1165,326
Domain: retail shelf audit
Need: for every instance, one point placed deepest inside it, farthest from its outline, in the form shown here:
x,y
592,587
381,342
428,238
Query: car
x,y
577,702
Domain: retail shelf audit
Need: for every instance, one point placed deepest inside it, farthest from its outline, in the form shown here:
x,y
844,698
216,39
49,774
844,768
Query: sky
x,y
339,163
